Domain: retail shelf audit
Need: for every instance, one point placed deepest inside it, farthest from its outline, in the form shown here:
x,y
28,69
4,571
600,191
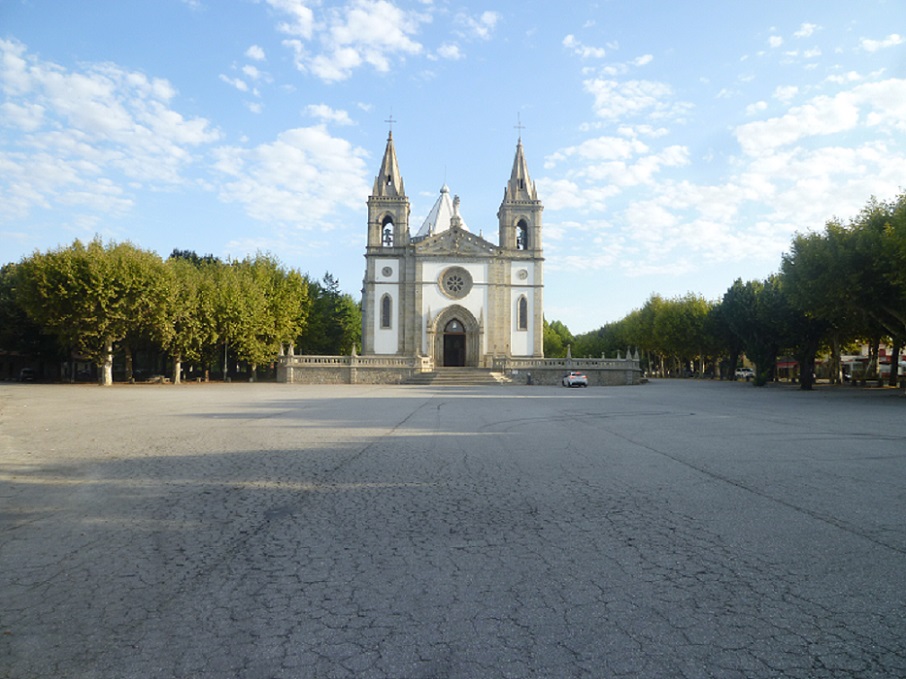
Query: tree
x,y
335,321
727,343
754,312
285,304
92,296
189,313
18,332
556,338
680,329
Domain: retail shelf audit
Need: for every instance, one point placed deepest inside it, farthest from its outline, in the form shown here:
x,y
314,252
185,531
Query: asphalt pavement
x,y
674,529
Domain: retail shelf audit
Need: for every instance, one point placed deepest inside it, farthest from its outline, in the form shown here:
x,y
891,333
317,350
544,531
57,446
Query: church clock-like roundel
x,y
455,282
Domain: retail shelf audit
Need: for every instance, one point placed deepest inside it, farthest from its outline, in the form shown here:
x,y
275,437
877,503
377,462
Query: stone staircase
x,y
458,377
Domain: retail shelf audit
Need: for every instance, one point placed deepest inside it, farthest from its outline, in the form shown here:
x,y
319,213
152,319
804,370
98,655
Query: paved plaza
x,y
674,529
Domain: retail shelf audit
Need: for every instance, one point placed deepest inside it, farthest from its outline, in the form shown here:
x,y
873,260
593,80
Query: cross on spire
x,y
390,121
519,126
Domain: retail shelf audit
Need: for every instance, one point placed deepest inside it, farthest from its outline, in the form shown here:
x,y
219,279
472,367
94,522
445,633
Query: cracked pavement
x,y
676,529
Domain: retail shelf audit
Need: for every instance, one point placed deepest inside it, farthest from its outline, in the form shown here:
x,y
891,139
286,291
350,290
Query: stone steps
x,y
458,377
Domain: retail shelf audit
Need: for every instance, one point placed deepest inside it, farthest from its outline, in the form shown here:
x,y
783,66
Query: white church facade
x,y
446,298
446,293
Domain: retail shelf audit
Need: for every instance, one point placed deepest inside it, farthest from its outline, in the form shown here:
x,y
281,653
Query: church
x,y
445,293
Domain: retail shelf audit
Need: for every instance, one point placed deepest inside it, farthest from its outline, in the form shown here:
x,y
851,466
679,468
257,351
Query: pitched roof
x,y
441,215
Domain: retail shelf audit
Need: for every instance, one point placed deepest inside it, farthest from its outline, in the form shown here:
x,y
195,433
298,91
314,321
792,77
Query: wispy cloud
x,y
573,44
363,32
300,179
891,40
89,135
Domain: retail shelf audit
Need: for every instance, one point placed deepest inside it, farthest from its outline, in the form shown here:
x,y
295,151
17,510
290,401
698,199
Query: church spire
x,y
389,183
519,216
520,186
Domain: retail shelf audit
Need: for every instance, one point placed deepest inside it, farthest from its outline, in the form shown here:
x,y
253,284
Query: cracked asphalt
x,y
675,529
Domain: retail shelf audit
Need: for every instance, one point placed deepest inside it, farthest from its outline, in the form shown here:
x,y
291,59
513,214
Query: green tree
x,y
93,296
189,326
556,338
18,332
756,312
335,321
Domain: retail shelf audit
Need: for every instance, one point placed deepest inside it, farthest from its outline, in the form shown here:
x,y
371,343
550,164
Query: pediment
x,y
455,241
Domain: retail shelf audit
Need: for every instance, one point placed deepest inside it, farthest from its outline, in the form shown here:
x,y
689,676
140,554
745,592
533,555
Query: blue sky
x,y
676,146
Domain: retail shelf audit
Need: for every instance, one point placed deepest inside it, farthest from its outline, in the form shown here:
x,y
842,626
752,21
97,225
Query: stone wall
x,y
601,372
349,369
396,369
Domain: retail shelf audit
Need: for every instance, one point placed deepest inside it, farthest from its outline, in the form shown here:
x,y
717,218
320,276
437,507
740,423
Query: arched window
x,y
387,232
386,310
522,235
522,313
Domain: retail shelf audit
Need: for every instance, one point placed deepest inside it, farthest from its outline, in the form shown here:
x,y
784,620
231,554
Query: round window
x,y
456,282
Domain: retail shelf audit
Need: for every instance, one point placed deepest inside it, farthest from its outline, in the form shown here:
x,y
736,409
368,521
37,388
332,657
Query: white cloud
x,y
565,194
450,51
89,135
874,45
238,83
301,17
328,115
481,27
882,104
300,180
643,60
806,30
775,41
26,116
756,108
601,148
255,53
617,100
844,78
786,93
372,32
251,72
584,51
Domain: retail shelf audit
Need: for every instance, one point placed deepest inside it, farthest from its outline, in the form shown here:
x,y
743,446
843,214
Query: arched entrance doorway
x,y
454,344
454,338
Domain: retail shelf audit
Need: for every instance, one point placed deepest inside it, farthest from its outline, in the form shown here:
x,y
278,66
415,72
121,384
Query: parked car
x,y
574,379
745,373
27,375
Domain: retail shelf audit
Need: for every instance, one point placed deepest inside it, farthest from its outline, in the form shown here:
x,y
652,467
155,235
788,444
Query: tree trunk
x,y
254,367
894,362
873,350
128,354
836,367
807,368
105,378
177,369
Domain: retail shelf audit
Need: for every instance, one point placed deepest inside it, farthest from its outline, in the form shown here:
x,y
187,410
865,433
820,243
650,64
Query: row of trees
x,y
843,286
96,298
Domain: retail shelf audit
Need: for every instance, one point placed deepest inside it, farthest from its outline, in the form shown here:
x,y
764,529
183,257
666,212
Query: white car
x,y
745,373
574,379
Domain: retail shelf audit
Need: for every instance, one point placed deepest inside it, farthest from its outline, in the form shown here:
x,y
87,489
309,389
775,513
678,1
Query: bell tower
x,y
388,206
519,223
519,216
384,290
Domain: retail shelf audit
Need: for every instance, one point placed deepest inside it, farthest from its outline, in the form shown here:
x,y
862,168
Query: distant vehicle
x,y
574,379
745,373
27,375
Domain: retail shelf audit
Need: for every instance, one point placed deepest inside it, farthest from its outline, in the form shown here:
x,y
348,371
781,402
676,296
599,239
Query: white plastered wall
x,y
386,340
436,301
522,280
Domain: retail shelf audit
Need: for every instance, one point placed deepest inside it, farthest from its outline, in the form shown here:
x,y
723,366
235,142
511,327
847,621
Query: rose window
x,y
456,282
